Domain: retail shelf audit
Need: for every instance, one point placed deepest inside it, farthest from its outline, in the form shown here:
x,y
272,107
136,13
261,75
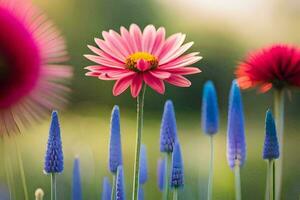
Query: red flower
x,y
276,66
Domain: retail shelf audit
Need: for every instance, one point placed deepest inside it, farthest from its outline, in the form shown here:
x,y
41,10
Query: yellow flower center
x,y
132,59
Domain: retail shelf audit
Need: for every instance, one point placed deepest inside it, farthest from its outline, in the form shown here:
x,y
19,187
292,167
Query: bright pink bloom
x,y
134,57
276,66
30,76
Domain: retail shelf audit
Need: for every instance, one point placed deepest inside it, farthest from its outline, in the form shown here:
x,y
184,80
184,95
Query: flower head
x,y
168,131
141,193
143,165
106,189
120,184
275,66
177,174
161,170
236,144
31,78
76,184
271,146
134,57
54,159
115,150
210,112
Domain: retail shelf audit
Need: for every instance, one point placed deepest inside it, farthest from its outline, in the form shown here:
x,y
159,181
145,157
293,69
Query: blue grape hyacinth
x,y
141,193
210,111
115,147
120,184
106,189
168,131
143,165
161,170
177,172
271,146
236,144
76,184
54,159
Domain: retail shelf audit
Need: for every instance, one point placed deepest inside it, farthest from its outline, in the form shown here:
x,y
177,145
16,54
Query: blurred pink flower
x,y
31,78
134,57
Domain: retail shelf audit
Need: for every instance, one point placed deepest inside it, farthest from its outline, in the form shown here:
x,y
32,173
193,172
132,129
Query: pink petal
x,y
121,85
160,74
148,38
185,70
159,41
142,65
127,39
109,50
176,54
171,45
182,61
155,83
136,85
121,42
179,81
104,55
94,74
136,35
102,61
114,44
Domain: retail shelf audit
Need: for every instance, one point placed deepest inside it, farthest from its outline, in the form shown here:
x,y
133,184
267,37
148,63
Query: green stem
x,y
238,192
167,191
211,169
140,113
53,186
271,173
113,191
175,194
279,118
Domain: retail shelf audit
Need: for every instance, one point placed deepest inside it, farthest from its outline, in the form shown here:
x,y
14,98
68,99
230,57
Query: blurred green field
x,y
85,133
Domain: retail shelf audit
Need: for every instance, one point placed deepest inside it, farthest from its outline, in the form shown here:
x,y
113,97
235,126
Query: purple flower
x,y
210,112
54,159
177,174
115,151
271,146
236,144
143,165
168,131
106,189
161,170
76,184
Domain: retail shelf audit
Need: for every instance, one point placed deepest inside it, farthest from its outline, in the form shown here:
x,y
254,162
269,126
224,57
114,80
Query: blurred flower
x,y
275,66
54,161
120,184
271,147
161,170
106,189
143,165
76,184
168,131
39,194
31,78
134,57
115,147
210,112
141,193
177,174
236,144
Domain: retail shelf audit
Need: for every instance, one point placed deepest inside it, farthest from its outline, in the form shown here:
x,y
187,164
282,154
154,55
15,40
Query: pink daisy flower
x,y
133,57
31,78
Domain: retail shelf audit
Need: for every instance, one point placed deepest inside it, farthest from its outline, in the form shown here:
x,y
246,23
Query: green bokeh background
x,y
223,32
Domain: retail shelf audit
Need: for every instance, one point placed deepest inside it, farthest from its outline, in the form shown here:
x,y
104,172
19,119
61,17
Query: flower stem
x,y
175,194
140,113
168,159
53,186
271,177
211,169
279,117
113,190
238,192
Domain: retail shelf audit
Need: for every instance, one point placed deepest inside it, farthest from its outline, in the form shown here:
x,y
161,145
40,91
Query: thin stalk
x,y
167,191
113,191
271,178
175,194
53,186
238,192
211,169
140,113
21,169
279,118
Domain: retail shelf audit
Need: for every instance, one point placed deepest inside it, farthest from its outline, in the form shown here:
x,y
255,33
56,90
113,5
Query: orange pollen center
x,y
132,59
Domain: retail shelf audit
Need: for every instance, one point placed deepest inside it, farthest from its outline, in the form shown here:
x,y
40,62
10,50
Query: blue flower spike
x,y
143,165
120,184
161,170
76,184
54,159
106,189
115,147
210,111
271,146
236,144
168,131
177,172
